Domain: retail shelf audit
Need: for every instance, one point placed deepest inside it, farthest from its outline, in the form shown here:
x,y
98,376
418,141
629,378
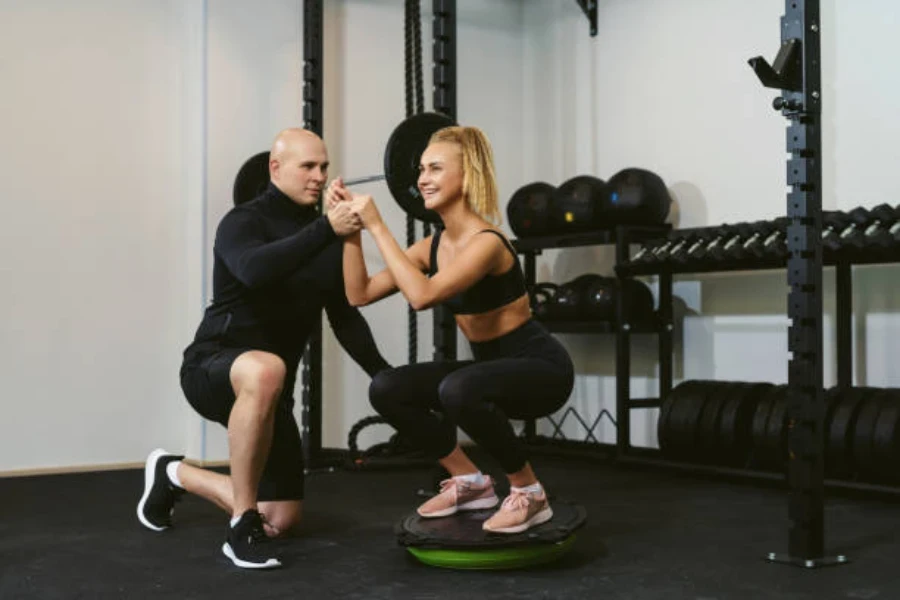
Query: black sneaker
x,y
156,505
246,543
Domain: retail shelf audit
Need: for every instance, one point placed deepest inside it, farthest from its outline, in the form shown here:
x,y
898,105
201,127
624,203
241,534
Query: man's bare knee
x,y
259,374
282,519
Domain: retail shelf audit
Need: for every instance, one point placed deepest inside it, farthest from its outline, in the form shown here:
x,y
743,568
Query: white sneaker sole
x,y
149,480
479,504
269,564
539,518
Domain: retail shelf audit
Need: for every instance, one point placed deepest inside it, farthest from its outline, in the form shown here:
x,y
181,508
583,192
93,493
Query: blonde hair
x,y
479,179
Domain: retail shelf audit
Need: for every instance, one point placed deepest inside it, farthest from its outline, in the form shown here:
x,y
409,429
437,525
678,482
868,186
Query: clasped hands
x,y
349,212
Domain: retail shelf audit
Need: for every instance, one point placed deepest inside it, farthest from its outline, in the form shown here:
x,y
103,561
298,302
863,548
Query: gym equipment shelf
x,y
753,264
594,327
633,270
632,234
622,236
842,263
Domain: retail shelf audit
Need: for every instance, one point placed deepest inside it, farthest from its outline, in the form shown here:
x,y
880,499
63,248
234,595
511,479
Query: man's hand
x,y
336,192
343,220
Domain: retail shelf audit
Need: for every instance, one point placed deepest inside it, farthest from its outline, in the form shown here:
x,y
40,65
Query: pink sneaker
x,y
520,511
457,495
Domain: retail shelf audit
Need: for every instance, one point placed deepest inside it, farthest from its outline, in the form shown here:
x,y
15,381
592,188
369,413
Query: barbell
x,y
402,153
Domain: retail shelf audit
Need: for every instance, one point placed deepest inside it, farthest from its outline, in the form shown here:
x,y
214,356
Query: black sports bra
x,y
492,291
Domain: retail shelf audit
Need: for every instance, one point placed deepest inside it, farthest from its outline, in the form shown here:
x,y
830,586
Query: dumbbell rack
x,y
843,290
622,237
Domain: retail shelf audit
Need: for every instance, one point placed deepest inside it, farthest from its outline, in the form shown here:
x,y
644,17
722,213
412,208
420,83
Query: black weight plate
x,y
735,431
401,161
886,438
717,397
862,451
252,178
760,419
772,449
832,401
838,435
685,418
664,424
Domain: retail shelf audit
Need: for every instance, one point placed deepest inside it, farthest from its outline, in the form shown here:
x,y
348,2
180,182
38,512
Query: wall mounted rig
x,y
590,11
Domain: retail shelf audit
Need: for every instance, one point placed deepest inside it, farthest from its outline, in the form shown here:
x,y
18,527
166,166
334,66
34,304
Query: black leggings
x,y
524,374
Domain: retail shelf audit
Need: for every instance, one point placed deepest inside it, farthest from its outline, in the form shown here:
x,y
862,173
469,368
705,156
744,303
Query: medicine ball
x,y
529,209
637,197
599,302
579,204
542,299
569,300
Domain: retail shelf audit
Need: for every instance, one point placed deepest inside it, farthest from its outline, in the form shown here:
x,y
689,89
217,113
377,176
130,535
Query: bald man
x,y
277,265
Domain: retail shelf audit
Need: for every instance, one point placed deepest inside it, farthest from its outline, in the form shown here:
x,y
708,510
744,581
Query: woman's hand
x,y
364,208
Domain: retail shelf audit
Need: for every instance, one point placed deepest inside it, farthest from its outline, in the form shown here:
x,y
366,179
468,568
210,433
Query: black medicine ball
x,y
637,197
579,203
529,210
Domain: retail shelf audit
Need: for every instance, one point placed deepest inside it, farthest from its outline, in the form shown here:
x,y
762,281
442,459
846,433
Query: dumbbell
x,y
661,251
754,233
833,224
895,231
679,252
680,243
697,250
866,224
731,247
893,235
772,245
701,248
877,226
647,253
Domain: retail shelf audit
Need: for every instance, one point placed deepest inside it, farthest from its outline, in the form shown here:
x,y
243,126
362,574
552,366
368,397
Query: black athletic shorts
x,y
206,382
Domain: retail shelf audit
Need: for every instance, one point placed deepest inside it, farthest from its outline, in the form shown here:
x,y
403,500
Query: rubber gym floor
x,y
650,534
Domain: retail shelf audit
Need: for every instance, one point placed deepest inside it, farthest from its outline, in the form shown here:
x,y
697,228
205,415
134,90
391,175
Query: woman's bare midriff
x,y
487,326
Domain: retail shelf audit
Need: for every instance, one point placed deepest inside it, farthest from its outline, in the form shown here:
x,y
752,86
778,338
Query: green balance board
x,y
459,542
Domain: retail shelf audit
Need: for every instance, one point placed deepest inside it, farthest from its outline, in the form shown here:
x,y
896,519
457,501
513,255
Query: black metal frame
x,y
444,101
797,72
311,376
590,11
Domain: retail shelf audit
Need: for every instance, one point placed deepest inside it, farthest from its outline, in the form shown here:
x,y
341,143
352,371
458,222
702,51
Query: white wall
x,y
666,86
98,246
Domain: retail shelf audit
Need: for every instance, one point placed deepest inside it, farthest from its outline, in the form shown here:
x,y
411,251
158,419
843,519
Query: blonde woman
x,y
519,370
